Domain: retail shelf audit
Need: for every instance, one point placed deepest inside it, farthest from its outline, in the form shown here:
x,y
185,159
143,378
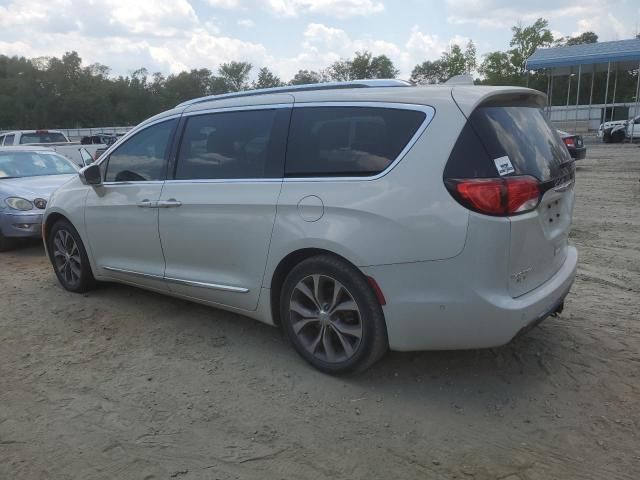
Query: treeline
x,y
61,92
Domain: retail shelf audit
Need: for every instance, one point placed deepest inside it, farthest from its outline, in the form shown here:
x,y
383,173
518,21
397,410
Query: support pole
x,y
615,87
606,93
635,110
593,76
551,96
548,107
575,127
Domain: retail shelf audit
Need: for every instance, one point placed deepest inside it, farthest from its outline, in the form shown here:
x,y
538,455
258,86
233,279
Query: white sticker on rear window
x,y
503,164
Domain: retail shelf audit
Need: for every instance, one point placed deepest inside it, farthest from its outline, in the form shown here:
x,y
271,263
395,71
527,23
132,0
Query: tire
x,y
606,138
5,243
69,258
339,334
618,136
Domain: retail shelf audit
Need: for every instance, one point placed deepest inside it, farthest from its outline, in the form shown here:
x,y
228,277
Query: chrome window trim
x,y
428,110
225,180
177,281
264,106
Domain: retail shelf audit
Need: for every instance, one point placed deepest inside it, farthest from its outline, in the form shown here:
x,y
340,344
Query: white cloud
x,y
294,8
588,15
246,23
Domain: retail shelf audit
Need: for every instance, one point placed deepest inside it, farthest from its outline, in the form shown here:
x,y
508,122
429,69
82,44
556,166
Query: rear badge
x,y
503,165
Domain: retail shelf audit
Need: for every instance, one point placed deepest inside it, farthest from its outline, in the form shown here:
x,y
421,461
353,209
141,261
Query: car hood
x,y
33,187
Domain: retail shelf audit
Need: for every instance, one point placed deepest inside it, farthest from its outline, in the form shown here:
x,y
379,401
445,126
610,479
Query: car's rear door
x,y
218,210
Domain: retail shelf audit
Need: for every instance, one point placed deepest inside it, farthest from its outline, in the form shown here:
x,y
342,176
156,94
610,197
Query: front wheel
x,y
5,243
69,258
332,316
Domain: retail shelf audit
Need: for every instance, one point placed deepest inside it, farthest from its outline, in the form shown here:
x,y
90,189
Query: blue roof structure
x,y
586,54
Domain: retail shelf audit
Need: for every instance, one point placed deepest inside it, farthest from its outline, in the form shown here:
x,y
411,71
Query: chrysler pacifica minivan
x,y
359,217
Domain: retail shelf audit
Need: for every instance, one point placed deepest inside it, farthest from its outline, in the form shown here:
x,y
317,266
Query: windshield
x,y
43,137
33,164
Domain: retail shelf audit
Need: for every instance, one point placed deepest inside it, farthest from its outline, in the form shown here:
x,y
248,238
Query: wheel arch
x,y
283,268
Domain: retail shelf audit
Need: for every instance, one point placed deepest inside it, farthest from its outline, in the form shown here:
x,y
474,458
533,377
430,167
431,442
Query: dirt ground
x,y
126,384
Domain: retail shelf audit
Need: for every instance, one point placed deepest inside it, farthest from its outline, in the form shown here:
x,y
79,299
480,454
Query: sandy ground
x,y
121,383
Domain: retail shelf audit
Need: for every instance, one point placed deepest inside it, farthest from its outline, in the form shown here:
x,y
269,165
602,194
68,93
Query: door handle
x,y
171,203
147,204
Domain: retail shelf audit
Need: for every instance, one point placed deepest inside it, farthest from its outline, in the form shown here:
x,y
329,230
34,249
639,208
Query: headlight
x,y
18,203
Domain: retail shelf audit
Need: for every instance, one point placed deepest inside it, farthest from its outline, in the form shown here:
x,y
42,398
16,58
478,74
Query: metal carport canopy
x,y
621,51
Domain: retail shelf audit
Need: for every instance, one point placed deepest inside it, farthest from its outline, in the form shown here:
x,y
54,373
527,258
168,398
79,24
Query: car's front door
x,y
121,215
217,213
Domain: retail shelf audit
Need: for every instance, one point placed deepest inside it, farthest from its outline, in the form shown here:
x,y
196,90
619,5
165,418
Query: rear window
x,y
520,132
347,141
48,137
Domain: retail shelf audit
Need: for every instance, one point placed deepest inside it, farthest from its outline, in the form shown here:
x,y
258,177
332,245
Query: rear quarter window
x,y
347,141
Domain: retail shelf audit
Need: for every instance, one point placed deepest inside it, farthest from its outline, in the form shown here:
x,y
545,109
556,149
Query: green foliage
x,y
525,41
267,79
364,65
586,37
451,63
429,73
235,75
306,77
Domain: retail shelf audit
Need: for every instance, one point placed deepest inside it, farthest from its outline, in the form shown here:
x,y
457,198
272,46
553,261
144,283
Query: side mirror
x,y
91,175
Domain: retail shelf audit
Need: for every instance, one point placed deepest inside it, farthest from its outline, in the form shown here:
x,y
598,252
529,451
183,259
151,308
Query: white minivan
x,y
357,216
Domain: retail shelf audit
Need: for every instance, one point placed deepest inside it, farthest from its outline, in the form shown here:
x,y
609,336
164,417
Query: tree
x,y
451,63
267,79
586,37
526,40
428,73
235,75
454,62
497,69
470,57
363,66
304,77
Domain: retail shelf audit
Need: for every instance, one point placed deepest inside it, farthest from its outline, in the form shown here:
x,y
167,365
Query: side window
x,y
8,140
143,157
240,144
1,139
347,141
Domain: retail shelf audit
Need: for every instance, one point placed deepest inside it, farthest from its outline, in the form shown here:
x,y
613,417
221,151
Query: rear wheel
x,y
69,258
332,316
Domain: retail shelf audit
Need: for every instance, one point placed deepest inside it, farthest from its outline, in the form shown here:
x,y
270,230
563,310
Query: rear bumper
x,y
578,153
429,307
21,225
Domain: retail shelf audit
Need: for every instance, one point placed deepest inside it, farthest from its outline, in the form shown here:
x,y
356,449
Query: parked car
x,y
28,176
620,130
575,145
30,137
79,154
358,216
99,139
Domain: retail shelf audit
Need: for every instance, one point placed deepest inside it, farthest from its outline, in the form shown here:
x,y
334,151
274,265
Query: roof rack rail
x,y
302,88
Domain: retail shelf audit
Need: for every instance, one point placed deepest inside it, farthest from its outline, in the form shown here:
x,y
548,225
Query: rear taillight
x,y
569,142
496,196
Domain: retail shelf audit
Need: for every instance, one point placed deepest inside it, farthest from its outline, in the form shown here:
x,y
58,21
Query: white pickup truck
x,y
56,140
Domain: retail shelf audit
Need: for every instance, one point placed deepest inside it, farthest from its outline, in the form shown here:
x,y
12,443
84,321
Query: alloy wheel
x,y
325,318
66,255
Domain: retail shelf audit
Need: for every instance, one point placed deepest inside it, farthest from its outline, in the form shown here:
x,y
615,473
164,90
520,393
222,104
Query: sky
x,y
169,36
